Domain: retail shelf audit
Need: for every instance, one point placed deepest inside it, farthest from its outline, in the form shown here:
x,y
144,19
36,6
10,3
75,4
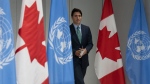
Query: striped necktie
x,y
79,33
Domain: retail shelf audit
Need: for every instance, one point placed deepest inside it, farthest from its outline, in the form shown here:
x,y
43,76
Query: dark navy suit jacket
x,y
86,42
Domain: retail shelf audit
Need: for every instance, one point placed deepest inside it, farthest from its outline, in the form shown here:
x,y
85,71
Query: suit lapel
x,y
75,37
83,33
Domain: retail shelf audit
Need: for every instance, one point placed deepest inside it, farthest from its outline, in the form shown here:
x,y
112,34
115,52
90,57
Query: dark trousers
x,y
79,73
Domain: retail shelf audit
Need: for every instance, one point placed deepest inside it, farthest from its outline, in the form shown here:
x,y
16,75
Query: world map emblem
x,y
60,41
139,45
6,41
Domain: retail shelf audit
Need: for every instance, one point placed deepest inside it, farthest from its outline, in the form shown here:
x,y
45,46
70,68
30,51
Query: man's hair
x,y
76,10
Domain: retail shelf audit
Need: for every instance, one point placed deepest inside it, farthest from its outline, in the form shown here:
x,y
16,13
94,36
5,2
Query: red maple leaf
x,y
32,33
106,46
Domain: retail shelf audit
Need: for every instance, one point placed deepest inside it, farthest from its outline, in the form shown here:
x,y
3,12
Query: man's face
x,y
76,18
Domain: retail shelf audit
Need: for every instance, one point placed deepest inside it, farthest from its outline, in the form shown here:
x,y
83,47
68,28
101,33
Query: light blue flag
x,y
7,61
59,48
138,47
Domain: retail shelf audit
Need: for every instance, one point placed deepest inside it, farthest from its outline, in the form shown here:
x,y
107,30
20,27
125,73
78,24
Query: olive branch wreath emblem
x,y
59,60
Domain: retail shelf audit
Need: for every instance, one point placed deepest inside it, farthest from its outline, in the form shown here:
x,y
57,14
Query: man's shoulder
x,y
71,25
85,26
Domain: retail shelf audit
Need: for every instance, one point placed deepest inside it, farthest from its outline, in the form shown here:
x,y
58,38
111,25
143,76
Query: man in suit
x,y
81,45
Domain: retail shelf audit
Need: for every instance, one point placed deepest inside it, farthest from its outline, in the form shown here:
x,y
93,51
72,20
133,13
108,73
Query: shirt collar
x,y
75,26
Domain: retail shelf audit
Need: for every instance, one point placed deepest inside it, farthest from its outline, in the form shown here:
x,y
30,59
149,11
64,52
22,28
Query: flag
x,y
108,60
138,47
7,53
59,48
31,59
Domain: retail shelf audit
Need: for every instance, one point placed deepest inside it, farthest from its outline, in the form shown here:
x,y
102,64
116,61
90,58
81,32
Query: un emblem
x,y
139,45
60,41
6,41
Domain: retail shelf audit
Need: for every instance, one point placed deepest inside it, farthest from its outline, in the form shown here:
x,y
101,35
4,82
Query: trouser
x,y
79,73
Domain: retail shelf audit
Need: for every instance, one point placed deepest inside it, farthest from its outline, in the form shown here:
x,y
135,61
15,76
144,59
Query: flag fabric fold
x,y
108,60
7,53
59,48
138,47
31,59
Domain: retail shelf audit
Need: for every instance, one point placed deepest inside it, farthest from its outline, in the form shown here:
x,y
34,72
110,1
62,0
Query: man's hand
x,y
77,53
81,52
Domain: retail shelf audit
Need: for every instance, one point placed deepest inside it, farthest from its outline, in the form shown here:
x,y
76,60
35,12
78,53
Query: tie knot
x,y
78,27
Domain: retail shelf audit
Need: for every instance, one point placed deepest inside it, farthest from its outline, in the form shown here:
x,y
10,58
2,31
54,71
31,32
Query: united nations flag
x,y
138,47
59,49
7,62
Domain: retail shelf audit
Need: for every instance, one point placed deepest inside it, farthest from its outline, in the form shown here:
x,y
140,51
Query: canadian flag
x,y
31,61
108,60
